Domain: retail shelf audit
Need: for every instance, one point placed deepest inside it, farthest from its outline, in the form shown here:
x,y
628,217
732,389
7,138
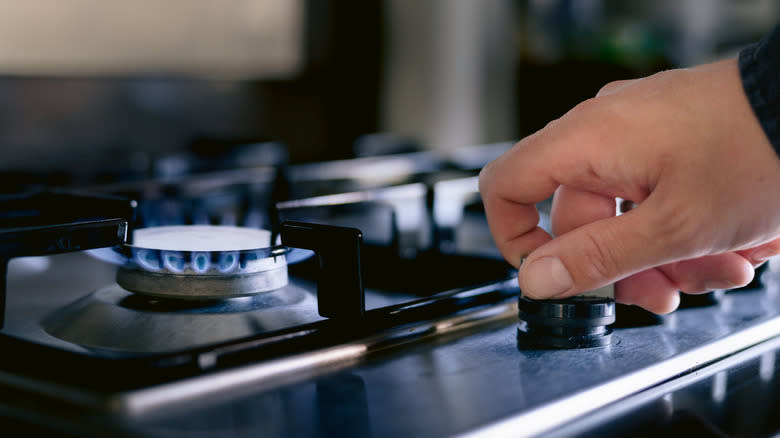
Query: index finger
x,y
512,184
575,151
513,222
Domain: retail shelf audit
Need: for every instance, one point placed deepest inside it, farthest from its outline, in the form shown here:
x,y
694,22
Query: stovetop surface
x,y
458,384
459,374
435,354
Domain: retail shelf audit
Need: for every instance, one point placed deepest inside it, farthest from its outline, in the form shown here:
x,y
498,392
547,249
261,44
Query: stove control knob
x,y
577,322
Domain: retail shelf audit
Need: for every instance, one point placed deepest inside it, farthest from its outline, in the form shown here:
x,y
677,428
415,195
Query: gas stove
x,y
378,306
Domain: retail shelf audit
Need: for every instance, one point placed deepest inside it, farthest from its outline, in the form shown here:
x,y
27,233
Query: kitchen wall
x,y
434,74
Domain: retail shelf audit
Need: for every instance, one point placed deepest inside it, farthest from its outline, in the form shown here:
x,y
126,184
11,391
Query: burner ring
x,y
202,262
202,287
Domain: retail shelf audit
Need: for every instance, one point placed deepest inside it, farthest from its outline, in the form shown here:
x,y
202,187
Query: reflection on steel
x,y
543,419
405,220
771,277
719,386
666,390
238,381
388,194
377,170
766,367
117,320
30,265
668,404
450,197
275,373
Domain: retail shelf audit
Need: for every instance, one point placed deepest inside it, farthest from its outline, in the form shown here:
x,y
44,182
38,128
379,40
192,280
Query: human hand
x,y
682,144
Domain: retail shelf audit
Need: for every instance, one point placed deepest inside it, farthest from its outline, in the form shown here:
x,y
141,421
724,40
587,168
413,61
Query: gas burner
x,y
202,262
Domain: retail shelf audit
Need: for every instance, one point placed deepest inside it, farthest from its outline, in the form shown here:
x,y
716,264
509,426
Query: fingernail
x,y
545,278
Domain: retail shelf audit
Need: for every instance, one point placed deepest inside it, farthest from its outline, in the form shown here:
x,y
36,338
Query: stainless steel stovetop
x,y
434,355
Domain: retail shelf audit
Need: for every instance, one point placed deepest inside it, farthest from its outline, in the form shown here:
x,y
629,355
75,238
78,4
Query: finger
x,y
649,289
573,208
533,169
513,219
760,254
599,253
576,150
615,86
514,227
703,274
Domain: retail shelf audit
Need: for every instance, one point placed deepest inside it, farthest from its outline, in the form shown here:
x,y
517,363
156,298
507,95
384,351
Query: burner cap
x,y
577,322
197,238
202,262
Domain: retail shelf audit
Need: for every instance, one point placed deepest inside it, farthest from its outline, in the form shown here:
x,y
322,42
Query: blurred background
x,y
94,91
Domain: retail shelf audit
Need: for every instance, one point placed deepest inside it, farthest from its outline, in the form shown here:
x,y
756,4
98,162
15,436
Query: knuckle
x,y
485,180
490,172
597,118
601,260
606,88
484,176
587,106
679,232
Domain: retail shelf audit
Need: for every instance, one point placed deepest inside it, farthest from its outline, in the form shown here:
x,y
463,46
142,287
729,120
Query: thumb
x,y
598,253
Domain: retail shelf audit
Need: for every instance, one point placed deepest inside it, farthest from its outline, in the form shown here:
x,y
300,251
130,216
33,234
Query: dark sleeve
x,y
759,66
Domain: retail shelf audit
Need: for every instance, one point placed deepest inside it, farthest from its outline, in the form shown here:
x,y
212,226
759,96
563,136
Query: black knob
x,y
577,322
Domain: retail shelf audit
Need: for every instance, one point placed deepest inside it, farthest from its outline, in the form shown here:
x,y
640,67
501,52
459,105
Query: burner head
x,y
202,262
577,322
